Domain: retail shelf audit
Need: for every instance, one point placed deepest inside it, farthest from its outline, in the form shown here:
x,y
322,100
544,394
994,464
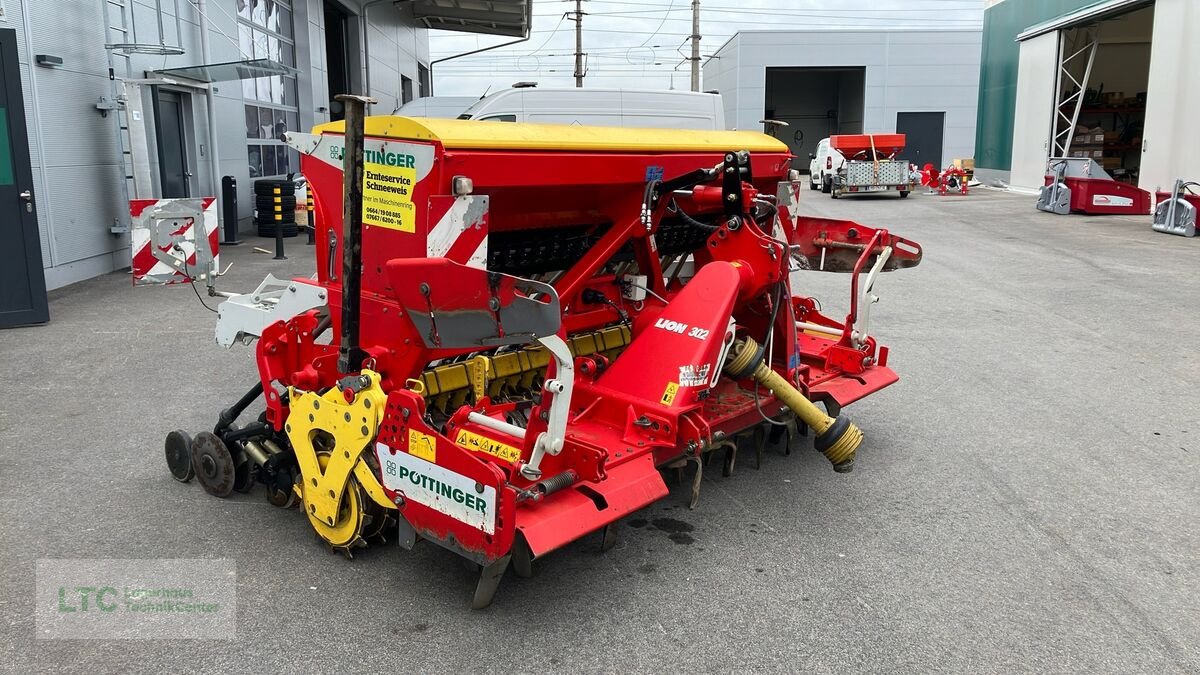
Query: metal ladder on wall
x,y
118,27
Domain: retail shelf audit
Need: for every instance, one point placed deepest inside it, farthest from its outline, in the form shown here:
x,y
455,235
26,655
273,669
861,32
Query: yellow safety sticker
x,y
387,196
422,445
668,396
473,441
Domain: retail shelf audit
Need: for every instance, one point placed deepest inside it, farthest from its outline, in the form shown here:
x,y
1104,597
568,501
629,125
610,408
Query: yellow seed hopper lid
x,y
476,135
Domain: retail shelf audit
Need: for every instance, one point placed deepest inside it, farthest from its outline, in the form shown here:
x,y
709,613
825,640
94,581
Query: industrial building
x,y
922,83
1115,67
116,95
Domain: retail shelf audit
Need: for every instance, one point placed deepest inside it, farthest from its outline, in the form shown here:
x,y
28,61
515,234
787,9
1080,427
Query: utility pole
x,y
578,19
695,45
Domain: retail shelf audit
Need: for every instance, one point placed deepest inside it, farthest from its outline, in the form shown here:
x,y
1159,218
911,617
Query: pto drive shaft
x,y
836,438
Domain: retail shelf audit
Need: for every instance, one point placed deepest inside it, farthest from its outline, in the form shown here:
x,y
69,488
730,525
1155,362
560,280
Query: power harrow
x,y
513,330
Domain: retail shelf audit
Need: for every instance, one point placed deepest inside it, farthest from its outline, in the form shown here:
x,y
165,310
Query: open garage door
x,y
1033,119
1096,62
816,103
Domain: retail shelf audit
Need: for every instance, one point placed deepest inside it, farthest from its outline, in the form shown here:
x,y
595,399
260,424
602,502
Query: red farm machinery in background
x,y
1081,185
514,328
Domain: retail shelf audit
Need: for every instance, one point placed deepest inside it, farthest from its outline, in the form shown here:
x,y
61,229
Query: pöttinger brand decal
x,y
440,489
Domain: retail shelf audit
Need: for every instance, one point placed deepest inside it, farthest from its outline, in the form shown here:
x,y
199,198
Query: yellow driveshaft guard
x,y
837,438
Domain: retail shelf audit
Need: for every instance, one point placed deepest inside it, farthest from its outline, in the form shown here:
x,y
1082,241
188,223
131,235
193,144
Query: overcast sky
x,y
636,44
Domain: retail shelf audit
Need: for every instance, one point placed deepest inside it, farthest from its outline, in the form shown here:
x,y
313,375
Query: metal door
x,y
22,281
172,148
1033,114
923,133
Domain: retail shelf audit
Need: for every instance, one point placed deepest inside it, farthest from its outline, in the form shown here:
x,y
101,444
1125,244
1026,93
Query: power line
x,y
660,23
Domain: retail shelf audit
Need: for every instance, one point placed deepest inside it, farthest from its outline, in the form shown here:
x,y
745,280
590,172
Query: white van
x,y
446,107
824,165
601,107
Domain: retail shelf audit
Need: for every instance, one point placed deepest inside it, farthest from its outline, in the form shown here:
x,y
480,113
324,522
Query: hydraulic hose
x,y
836,437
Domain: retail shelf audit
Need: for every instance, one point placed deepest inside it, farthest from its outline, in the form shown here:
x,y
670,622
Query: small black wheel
x,y
812,184
904,194
179,455
827,185
213,464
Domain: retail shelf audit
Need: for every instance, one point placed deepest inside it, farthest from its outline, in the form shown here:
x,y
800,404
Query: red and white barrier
x,y
163,237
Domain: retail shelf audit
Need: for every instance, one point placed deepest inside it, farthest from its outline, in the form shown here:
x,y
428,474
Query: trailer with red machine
x,y
514,328
870,165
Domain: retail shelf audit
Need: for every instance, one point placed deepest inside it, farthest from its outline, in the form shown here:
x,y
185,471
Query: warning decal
x,y
474,441
387,196
422,445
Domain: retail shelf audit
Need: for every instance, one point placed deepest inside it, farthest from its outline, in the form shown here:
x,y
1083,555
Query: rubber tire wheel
x,y
266,188
268,204
826,185
178,448
284,191
269,233
812,185
904,194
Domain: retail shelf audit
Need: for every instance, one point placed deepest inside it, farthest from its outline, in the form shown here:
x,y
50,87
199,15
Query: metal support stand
x,y
279,239
350,354
229,210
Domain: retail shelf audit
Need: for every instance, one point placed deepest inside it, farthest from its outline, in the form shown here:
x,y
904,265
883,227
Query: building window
x,y
422,80
265,30
405,89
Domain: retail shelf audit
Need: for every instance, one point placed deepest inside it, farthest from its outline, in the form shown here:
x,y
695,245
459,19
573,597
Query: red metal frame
x,y
944,178
1105,196
661,401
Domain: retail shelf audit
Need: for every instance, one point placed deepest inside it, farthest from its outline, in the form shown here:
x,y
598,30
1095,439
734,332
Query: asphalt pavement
x,y
1026,499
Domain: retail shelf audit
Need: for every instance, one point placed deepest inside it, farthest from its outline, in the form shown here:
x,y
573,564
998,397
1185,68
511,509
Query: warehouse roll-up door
x,y
1033,118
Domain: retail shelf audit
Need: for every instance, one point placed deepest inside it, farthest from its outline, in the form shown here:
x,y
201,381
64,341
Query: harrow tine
x,y
608,537
776,434
522,557
489,581
730,458
696,478
760,441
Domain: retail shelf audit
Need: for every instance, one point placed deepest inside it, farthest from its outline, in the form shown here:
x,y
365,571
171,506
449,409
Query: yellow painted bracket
x,y
478,368
351,427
